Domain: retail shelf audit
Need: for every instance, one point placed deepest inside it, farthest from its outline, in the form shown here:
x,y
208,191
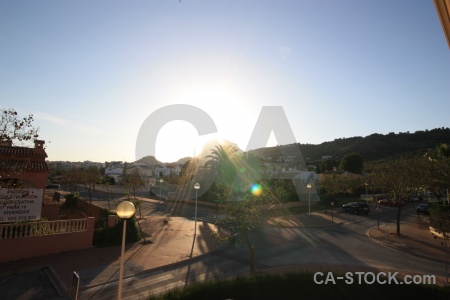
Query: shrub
x,y
72,200
299,286
111,236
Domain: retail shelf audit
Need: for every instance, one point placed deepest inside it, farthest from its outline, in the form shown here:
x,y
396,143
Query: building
x,y
22,167
23,176
115,171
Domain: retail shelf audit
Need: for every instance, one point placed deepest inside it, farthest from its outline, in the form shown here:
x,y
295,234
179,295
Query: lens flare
x,y
256,189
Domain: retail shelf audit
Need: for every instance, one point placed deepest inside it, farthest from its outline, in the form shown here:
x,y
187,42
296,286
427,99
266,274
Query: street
x,y
343,246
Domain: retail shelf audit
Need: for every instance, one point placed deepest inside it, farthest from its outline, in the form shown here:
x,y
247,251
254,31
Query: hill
x,y
373,147
151,160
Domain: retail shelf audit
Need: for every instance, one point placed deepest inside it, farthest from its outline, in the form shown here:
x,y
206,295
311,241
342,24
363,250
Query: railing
x,y
10,231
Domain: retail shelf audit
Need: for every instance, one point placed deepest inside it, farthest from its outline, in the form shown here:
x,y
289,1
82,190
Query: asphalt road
x,y
346,244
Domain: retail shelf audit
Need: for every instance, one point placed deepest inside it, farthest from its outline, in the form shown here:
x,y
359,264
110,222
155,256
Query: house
x,y
115,171
166,171
23,176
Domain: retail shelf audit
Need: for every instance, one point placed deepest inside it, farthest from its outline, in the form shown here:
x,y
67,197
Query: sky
x,y
92,71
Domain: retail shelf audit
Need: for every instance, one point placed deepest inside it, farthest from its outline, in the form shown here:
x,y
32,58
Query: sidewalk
x,y
168,243
414,240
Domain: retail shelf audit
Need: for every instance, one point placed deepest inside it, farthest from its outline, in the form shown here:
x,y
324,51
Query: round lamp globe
x,y
125,210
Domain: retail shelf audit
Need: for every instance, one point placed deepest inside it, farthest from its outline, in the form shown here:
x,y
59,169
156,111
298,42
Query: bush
x,y
299,286
72,200
439,216
111,236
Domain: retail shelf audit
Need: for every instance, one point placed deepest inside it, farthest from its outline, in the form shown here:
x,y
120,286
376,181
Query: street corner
x,y
411,240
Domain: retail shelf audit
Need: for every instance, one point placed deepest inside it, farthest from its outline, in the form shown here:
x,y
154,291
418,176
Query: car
x,y
52,186
385,202
414,198
422,209
357,208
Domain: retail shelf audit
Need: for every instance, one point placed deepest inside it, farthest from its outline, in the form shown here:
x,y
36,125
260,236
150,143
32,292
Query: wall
x,y
23,246
50,211
93,210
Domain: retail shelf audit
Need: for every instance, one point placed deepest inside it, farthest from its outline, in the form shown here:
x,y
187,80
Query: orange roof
x,y
14,165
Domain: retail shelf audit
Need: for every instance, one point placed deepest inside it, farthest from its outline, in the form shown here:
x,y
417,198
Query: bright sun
x,y
233,113
178,139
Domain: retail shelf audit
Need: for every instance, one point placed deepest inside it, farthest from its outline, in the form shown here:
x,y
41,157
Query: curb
x,y
400,249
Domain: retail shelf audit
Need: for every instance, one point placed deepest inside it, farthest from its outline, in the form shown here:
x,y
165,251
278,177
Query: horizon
x,y
91,72
225,142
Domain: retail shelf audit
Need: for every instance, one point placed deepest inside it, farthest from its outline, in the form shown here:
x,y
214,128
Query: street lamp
x,y
196,187
309,199
367,199
125,210
160,185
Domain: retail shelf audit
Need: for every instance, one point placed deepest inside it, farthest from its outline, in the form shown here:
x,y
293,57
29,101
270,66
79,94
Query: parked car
x,y
385,202
414,198
52,186
357,208
422,209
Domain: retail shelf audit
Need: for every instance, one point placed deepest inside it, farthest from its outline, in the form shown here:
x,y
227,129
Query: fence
x,y
10,231
19,241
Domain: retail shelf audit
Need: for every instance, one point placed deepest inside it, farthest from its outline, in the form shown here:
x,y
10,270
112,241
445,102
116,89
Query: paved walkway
x,y
173,243
166,244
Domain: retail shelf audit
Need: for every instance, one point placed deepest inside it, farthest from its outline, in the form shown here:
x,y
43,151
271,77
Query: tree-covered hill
x,y
373,147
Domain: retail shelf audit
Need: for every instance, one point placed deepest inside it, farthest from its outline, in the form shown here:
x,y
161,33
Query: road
x,y
314,248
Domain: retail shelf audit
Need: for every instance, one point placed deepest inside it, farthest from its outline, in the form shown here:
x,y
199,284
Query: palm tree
x,y
222,160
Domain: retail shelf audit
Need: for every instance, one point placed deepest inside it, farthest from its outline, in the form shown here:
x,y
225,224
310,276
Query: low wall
x,y
50,211
20,241
92,210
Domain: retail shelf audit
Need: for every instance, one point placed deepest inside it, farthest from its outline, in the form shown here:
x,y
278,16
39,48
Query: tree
x,y
352,163
439,164
132,182
241,176
87,177
223,161
245,220
400,178
14,129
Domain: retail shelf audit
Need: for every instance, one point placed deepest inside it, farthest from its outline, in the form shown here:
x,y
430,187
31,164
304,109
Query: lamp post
x,y
196,187
367,199
309,199
160,191
125,210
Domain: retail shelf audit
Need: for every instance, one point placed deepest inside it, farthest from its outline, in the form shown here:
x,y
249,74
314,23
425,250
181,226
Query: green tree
x,y
400,178
223,160
245,220
439,164
352,162
15,129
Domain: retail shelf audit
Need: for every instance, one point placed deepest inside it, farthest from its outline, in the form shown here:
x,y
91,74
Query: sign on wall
x,y
20,204
152,181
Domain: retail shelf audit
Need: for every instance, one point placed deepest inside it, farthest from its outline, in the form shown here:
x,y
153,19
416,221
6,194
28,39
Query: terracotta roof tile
x,y
21,152
12,165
